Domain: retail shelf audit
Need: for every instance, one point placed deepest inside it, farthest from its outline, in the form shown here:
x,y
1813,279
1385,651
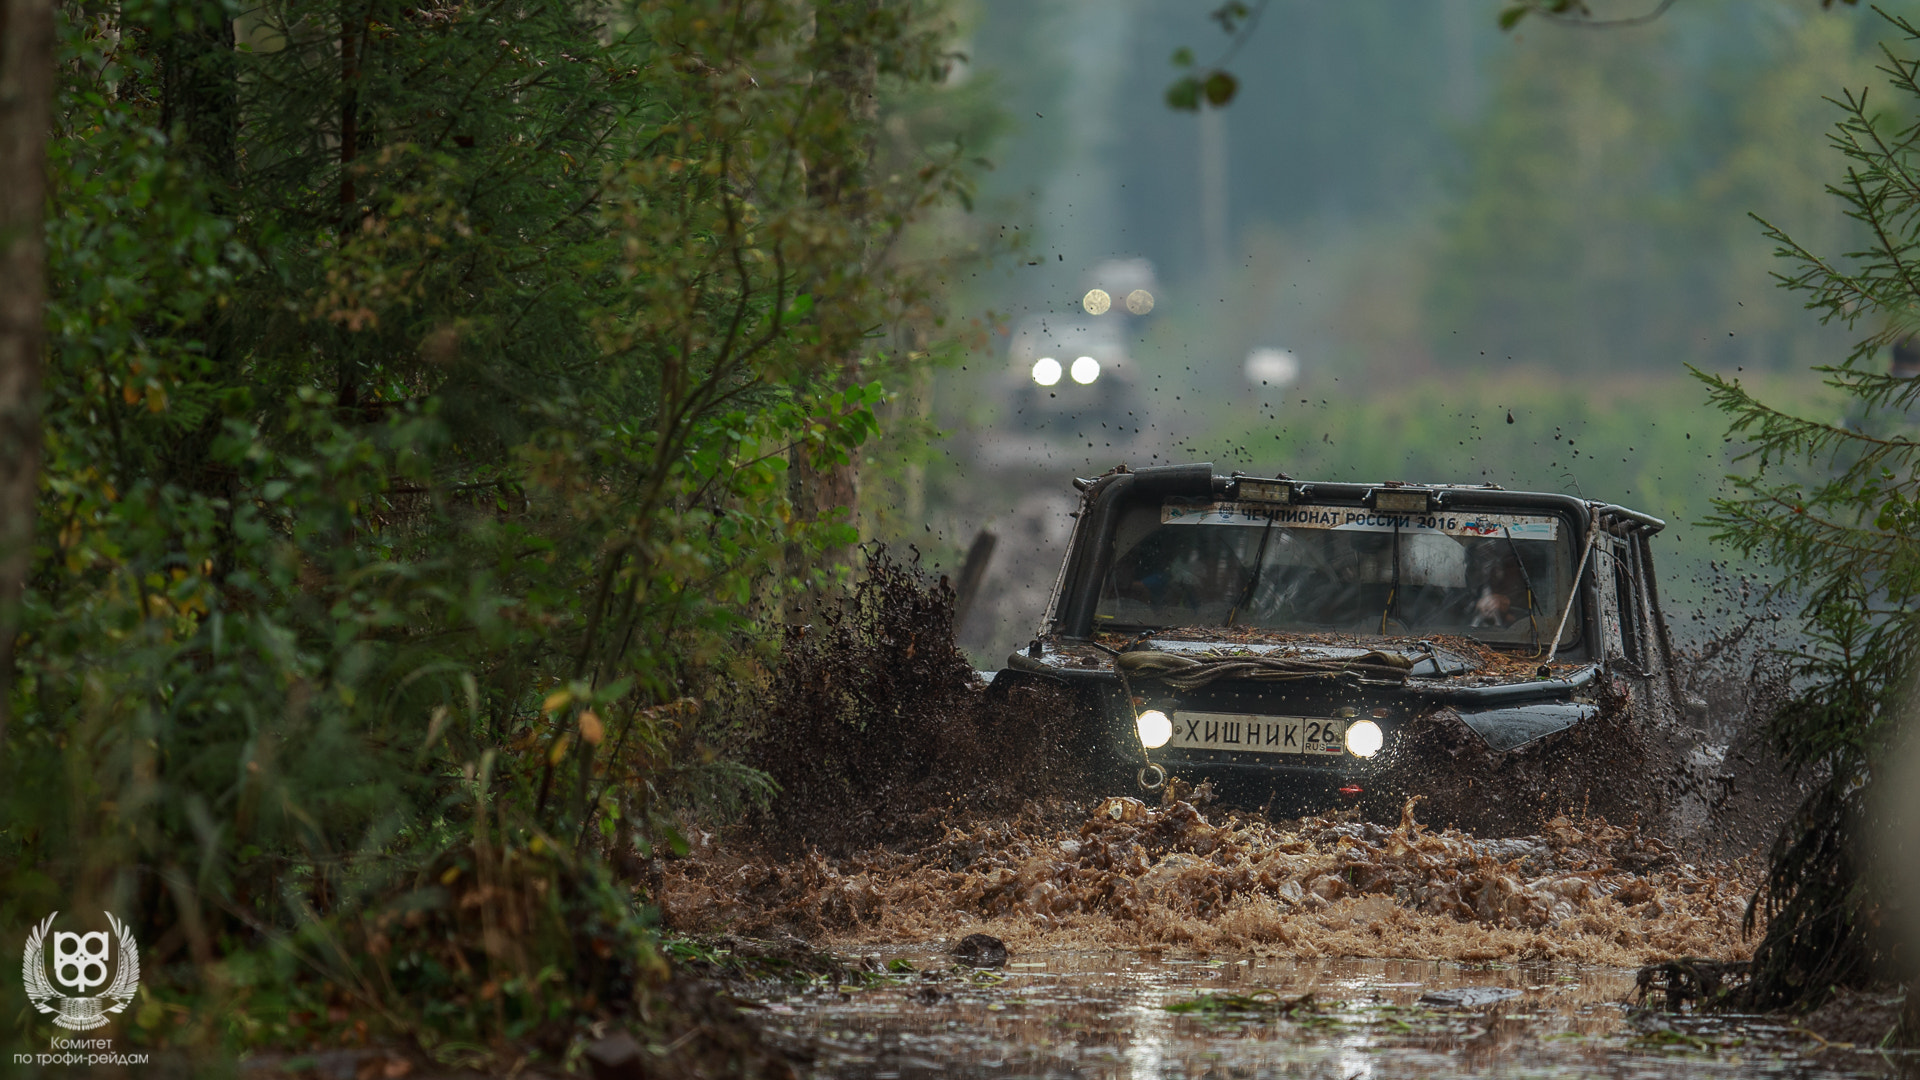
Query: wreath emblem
x,y
80,963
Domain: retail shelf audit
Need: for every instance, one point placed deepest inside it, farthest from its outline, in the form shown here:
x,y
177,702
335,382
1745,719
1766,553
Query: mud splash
x,y
1122,873
1609,766
875,729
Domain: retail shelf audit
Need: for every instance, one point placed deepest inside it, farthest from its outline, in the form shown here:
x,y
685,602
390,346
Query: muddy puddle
x,y
1183,940
1122,1013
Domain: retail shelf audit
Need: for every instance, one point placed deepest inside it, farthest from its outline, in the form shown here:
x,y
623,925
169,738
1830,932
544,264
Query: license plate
x,y
1258,734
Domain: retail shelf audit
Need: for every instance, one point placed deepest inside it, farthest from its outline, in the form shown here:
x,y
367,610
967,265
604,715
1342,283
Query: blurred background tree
x,y
26,92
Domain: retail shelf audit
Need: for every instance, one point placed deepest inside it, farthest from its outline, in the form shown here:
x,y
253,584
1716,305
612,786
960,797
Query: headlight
x,y
1154,727
1364,738
1085,370
1046,371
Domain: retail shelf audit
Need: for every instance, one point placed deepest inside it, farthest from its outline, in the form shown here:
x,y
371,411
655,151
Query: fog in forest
x,y
1413,247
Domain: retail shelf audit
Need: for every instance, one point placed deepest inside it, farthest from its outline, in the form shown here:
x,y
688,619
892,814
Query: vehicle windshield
x,y
1497,577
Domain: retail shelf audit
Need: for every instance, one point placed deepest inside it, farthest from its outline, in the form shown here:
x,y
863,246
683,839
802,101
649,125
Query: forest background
x,y
1443,222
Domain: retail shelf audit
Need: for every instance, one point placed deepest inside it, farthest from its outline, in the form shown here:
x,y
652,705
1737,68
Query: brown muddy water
x,y
1124,874
1125,1013
1176,941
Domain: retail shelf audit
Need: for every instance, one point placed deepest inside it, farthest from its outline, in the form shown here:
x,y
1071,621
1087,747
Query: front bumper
x,y
1511,714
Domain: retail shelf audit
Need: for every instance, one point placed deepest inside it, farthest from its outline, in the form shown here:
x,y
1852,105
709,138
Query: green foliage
x,y
1579,13
1214,84
1830,504
1598,224
423,389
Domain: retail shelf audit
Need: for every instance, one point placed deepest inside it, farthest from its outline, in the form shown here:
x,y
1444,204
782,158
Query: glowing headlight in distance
x,y
1364,738
1154,727
1046,371
1085,370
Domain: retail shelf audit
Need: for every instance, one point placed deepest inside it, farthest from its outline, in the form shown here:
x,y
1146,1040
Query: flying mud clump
x,y
1129,874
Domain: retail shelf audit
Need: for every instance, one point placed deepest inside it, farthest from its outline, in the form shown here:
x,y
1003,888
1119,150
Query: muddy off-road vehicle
x,y
1306,645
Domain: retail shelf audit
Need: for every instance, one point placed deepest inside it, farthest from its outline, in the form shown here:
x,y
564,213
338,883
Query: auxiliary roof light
x,y
1364,738
1085,370
1402,500
1140,301
1154,727
1096,301
1046,371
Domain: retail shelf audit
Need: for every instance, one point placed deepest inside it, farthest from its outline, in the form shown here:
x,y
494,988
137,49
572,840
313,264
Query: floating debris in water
x,y
1469,997
1258,1003
981,950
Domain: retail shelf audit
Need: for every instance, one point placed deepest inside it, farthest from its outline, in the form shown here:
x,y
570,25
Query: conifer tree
x,y
1833,504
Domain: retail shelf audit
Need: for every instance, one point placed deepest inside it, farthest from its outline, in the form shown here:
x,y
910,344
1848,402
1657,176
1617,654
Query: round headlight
x,y
1154,727
1085,370
1046,371
1364,738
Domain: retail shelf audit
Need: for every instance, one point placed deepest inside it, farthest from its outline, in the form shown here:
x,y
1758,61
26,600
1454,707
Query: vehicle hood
x,y
1428,663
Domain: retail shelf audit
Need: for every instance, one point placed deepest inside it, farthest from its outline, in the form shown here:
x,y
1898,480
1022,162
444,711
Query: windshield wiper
x,y
1533,609
1253,579
1393,591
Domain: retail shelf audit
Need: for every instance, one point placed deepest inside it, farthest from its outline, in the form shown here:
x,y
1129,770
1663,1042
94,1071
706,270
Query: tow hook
x,y
1159,778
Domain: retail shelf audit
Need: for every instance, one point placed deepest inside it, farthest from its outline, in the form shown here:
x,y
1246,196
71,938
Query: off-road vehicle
x,y
1300,644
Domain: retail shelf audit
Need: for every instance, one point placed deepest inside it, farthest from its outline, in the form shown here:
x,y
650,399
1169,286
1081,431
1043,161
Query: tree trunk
x,y
850,69
200,112
26,113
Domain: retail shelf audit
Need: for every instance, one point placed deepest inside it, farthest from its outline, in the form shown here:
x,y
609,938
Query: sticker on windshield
x,y
1360,519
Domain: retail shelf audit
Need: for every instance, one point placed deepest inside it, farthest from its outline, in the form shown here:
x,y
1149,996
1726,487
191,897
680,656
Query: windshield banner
x,y
1360,519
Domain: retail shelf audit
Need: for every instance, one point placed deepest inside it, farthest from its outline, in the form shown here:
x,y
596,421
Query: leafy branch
x,y
1213,83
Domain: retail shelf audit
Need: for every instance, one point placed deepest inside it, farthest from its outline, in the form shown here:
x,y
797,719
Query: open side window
x,y
1621,580
1626,579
